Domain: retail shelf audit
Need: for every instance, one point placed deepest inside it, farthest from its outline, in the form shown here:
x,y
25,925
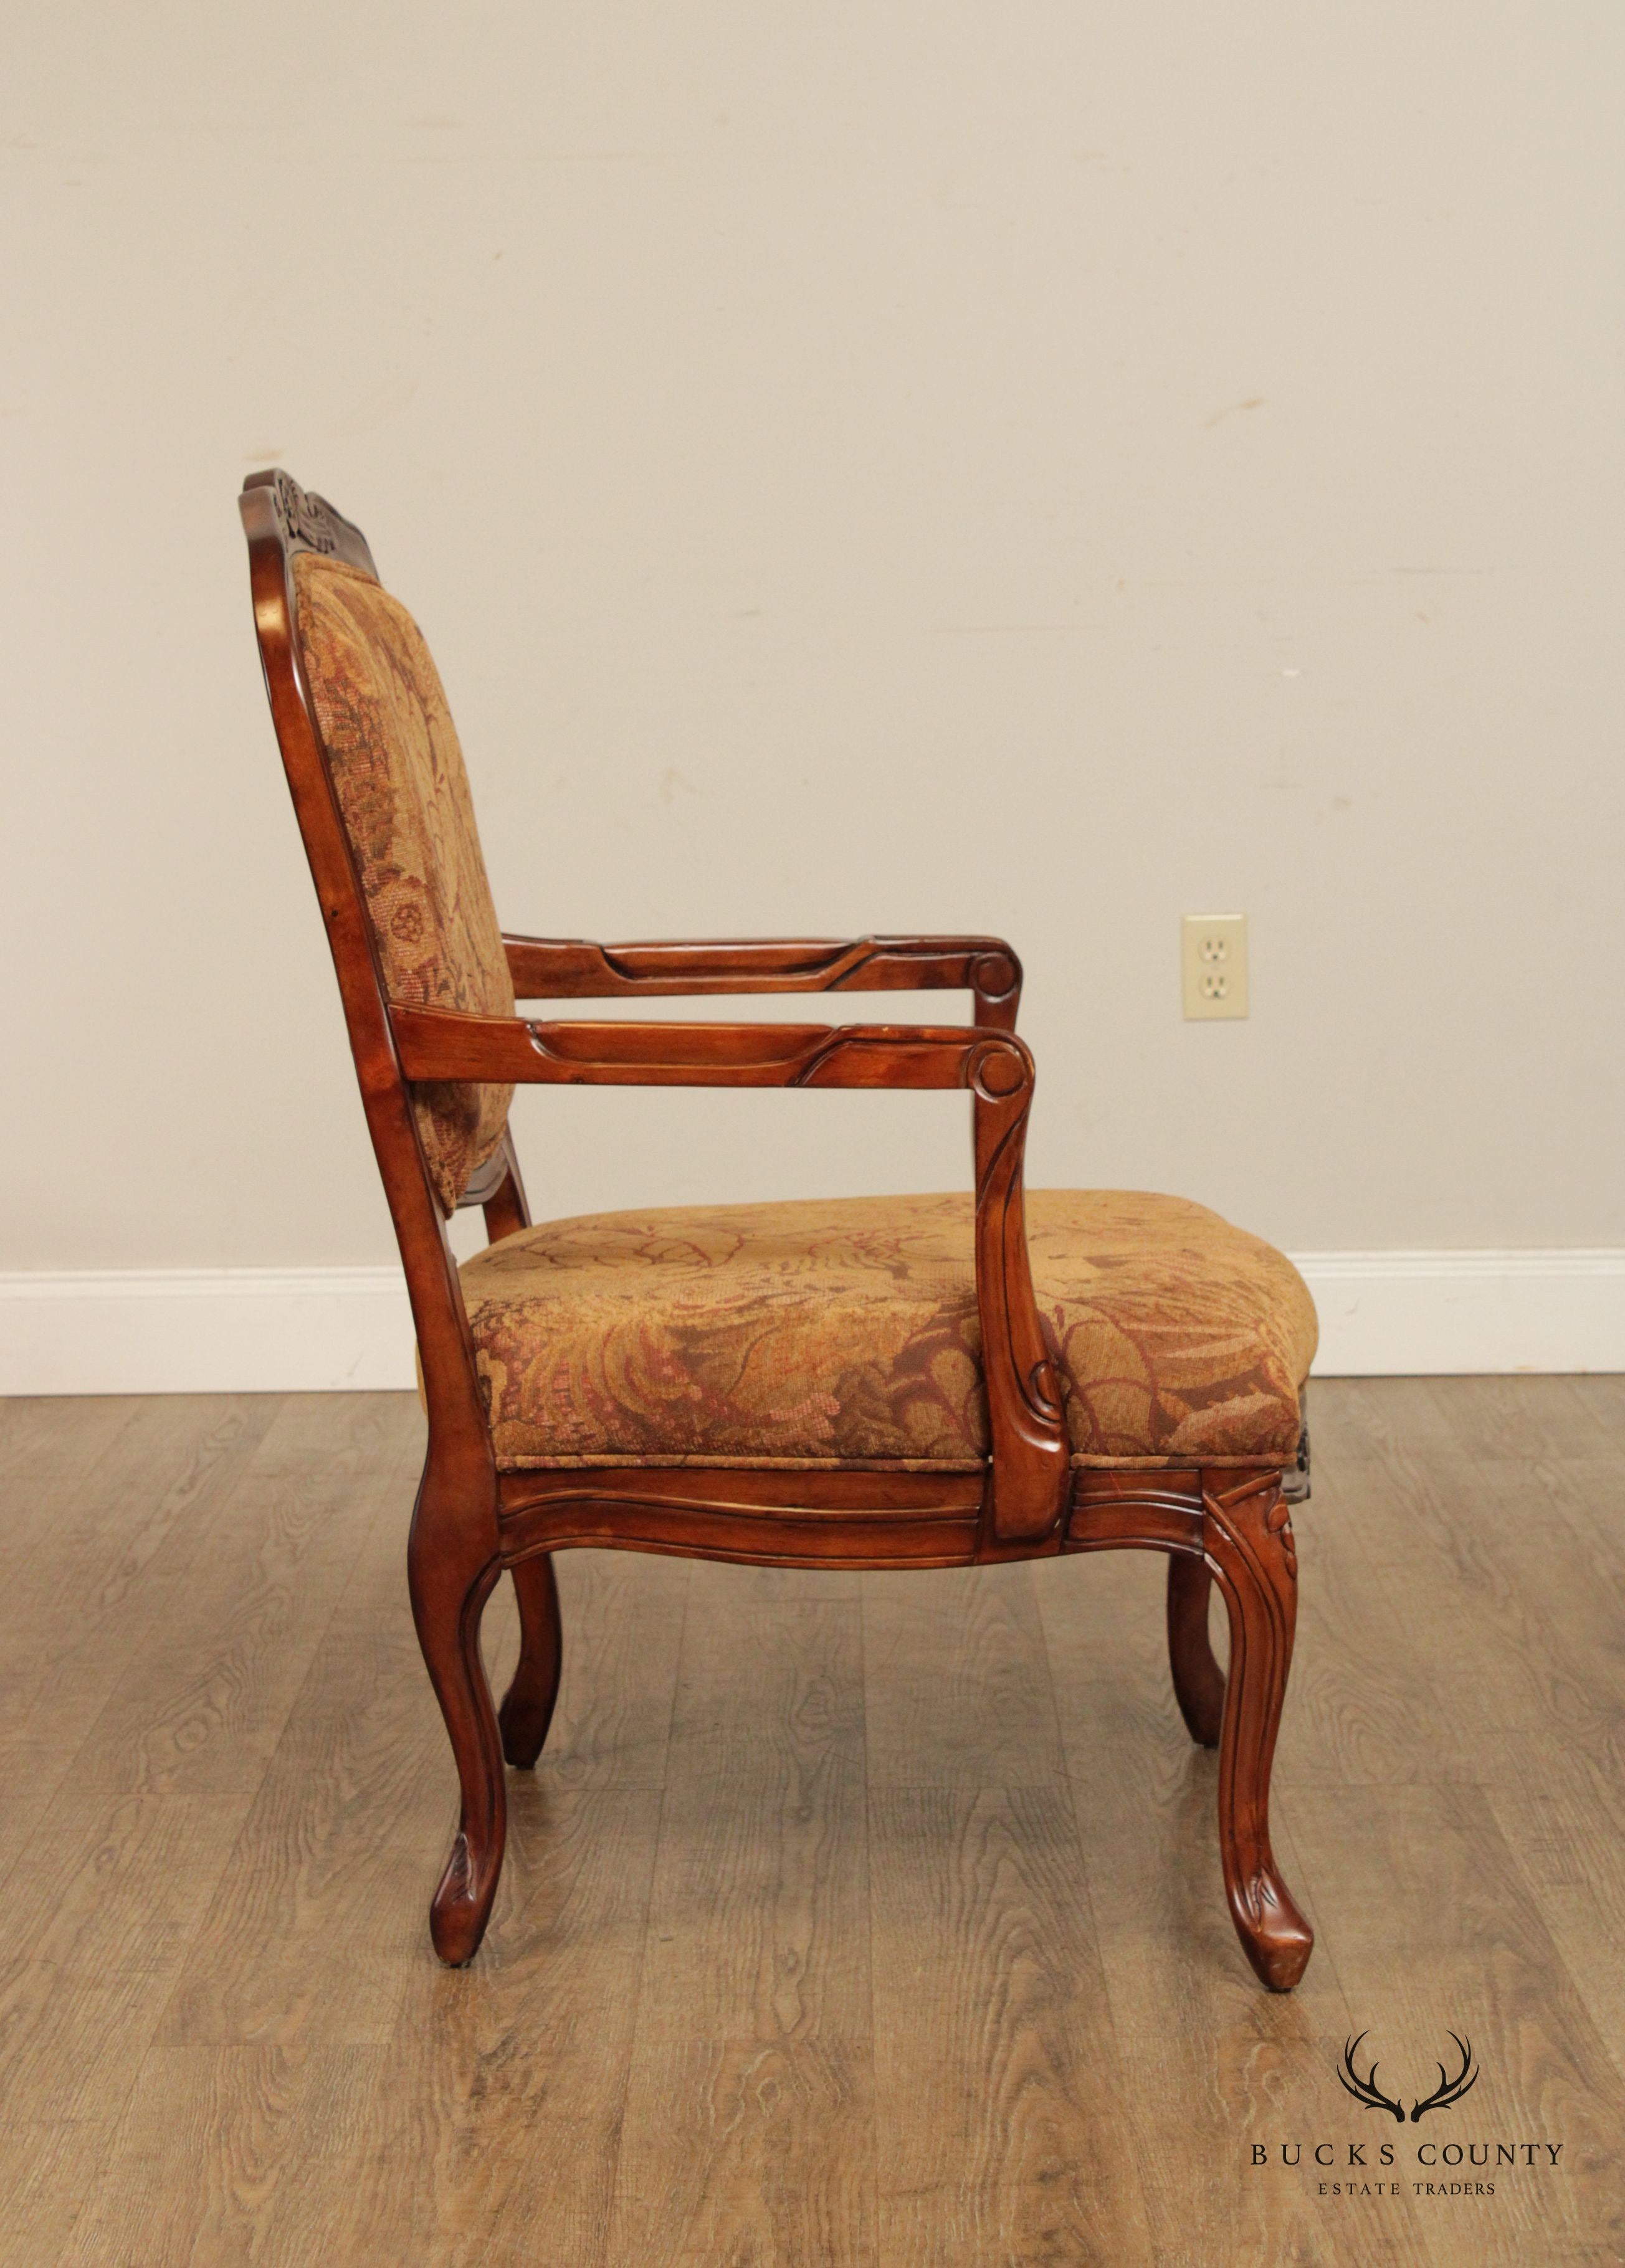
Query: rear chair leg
x,y
1198,1681
454,1570
1247,1532
528,1706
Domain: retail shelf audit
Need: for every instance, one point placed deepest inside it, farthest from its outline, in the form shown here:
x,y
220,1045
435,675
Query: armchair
x,y
909,1382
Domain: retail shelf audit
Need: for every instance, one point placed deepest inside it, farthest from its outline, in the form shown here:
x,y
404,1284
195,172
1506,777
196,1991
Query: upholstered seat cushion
x,y
845,1334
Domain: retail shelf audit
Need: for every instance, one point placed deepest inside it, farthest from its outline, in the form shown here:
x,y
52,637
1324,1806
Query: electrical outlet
x,y
1213,960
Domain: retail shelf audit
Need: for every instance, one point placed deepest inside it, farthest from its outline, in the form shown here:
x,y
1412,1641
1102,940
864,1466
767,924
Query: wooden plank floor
x,y
852,1922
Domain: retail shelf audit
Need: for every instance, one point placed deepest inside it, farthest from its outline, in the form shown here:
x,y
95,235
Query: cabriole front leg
x,y
1247,1537
453,1566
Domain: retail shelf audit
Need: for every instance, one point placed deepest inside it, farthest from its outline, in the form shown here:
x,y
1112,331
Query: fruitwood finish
x,y
471,1521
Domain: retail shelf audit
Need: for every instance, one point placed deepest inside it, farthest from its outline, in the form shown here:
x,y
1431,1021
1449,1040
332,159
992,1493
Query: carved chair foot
x,y
1198,1681
450,1581
527,1708
461,1906
1247,1532
1274,1934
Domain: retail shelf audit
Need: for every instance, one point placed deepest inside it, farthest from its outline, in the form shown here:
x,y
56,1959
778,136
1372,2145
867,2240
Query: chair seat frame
x,y
1227,1523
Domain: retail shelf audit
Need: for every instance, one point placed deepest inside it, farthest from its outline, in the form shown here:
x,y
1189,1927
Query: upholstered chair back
x,y
403,792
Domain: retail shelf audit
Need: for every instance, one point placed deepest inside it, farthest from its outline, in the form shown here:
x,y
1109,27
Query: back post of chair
x,y
281,519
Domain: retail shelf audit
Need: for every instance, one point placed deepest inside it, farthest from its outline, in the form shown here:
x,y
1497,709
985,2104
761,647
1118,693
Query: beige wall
x,y
1039,468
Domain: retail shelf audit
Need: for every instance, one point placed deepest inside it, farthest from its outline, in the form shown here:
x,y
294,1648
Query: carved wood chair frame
x,y
1231,1525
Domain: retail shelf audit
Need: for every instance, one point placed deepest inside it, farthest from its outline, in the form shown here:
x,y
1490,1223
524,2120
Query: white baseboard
x,y
203,1330
1391,1315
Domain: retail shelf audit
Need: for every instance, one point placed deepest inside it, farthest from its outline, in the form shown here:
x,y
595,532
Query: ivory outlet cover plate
x,y
1213,962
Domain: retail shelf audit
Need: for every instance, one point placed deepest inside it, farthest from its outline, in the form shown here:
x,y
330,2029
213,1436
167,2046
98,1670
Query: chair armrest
x,y
571,969
1030,1457
437,1044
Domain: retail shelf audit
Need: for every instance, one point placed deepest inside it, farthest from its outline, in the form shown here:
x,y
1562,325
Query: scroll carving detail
x,y
1277,1517
1278,1523
306,519
994,974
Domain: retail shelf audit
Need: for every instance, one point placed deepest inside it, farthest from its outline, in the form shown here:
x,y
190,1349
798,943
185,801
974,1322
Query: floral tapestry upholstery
x,y
398,772
845,1334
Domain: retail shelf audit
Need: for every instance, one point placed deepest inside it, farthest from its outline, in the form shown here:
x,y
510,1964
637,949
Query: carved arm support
x,y
571,969
1030,1457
